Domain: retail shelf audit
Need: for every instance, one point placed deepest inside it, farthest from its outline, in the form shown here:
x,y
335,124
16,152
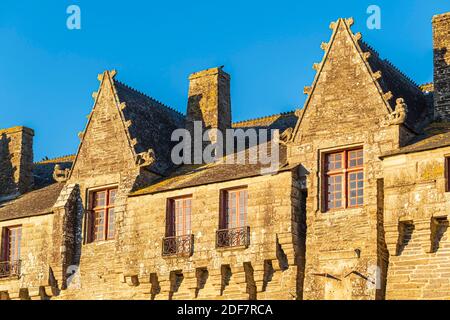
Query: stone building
x,y
357,207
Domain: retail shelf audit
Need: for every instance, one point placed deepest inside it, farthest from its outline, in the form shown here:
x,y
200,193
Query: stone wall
x,y
16,161
416,221
35,281
441,45
268,269
345,250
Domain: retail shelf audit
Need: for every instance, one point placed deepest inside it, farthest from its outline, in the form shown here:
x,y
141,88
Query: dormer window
x,y
343,179
102,222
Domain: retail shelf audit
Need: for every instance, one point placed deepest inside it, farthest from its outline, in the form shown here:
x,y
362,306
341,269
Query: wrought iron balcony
x,y
178,246
236,237
10,268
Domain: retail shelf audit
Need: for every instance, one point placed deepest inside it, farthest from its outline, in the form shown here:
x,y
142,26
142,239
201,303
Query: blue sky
x,y
48,72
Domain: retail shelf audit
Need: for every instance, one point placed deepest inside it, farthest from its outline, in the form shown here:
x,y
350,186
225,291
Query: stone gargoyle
x,y
145,158
60,175
398,116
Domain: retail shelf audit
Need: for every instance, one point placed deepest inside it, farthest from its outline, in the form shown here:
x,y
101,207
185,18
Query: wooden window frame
x,y
106,208
344,172
6,243
171,216
447,173
224,217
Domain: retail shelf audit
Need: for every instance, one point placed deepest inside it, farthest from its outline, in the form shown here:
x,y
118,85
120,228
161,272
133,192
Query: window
x,y
179,222
234,230
102,214
447,174
179,239
235,209
344,179
12,237
10,254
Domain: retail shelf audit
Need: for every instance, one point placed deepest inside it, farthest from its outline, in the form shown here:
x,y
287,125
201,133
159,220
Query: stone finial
x,y
324,46
398,116
388,96
146,158
60,175
307,90
377,75
367,55
316,66
350,21
357,36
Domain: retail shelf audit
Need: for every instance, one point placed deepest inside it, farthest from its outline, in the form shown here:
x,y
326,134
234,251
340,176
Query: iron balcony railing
x,y
235,237
10,268
178,246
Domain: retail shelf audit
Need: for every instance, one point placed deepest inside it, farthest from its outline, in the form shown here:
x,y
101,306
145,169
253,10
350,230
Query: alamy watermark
x,y
374,19
235,146
73,21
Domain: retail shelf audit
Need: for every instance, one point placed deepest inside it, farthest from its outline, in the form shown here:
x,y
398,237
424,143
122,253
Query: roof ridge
x,y
390,64
56,159
266,117
148,97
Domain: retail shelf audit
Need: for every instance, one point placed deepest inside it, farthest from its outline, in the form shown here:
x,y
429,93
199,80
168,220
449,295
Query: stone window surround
x,y
322,153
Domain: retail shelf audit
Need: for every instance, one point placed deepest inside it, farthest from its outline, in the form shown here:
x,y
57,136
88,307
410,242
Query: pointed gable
x,y
351,83
124,125
105,146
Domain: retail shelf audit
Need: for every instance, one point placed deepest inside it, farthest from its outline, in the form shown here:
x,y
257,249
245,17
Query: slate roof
x,y
195,175
33,203
392,79
152,124
43,170
280,121
436,135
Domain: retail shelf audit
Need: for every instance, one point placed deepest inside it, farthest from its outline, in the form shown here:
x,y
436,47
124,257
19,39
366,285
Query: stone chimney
x,y
441,46
209,101
16,161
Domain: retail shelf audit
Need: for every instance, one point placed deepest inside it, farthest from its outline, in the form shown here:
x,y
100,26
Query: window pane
x,y
355,158
356,188
334,191
112,196
111,223
99,227
99,199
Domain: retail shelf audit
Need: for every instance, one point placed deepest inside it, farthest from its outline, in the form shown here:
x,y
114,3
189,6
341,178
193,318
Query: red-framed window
x,y
179,217
343,179
11,244
447,174
234,208
102,214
